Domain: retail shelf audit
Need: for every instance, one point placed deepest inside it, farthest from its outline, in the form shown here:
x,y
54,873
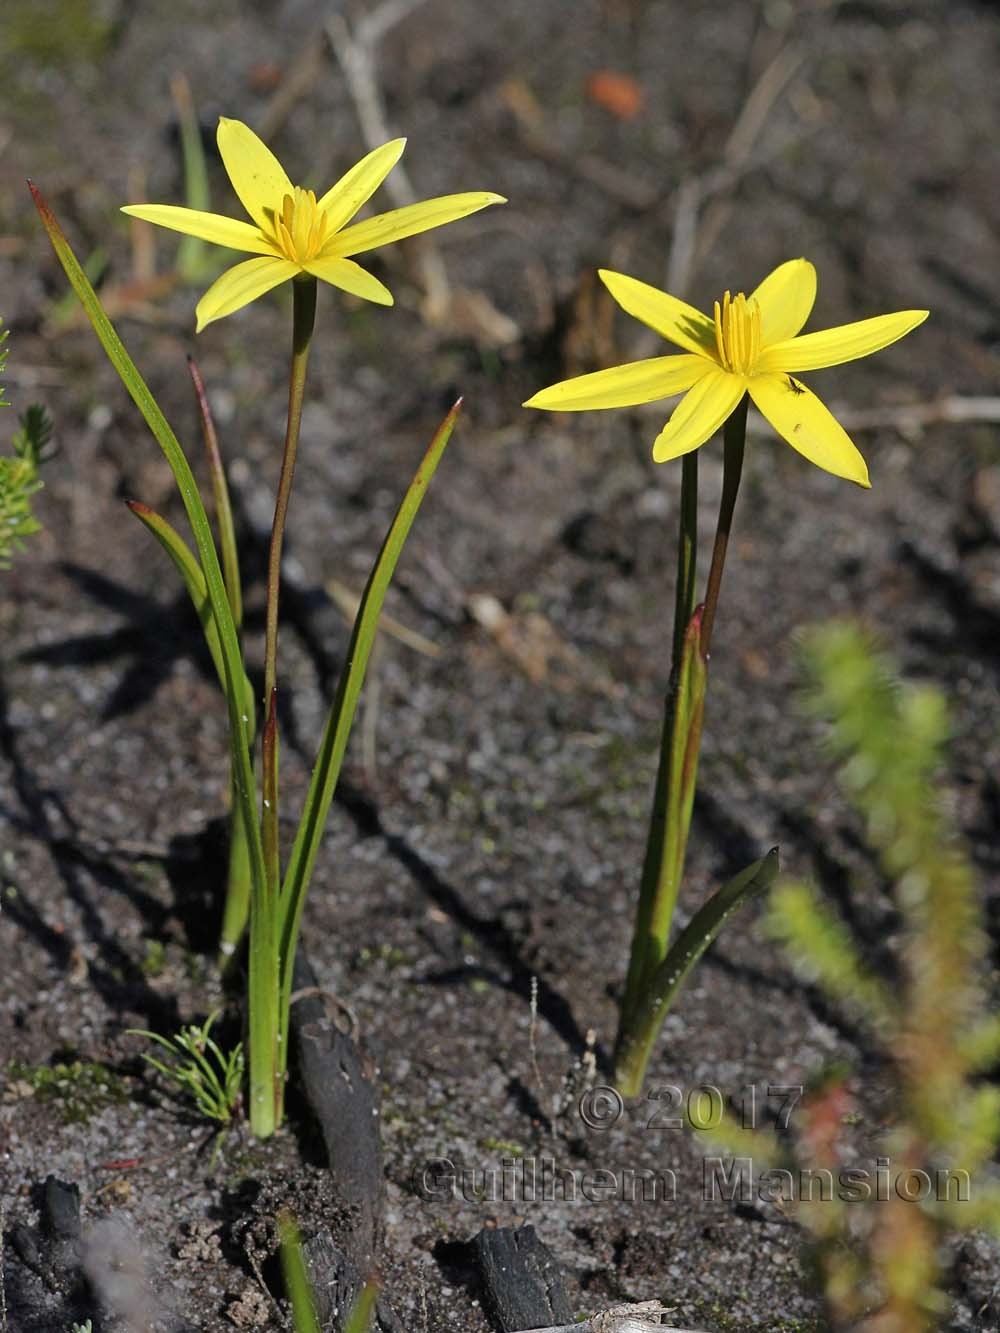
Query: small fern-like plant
x,y
199,1069
876,1240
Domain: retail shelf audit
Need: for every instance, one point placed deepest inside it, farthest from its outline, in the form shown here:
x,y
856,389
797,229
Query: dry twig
x,y
622,1319
355,49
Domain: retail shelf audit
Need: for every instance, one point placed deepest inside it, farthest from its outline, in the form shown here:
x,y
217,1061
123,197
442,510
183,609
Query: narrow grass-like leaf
x,y
194,580
192,255
659,992
706,923
293,1269
220,490
239,877
685,742
338,725
264,981
363,1310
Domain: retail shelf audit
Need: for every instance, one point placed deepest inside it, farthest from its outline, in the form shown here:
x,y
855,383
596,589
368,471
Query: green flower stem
x,y
643,954
303,322
646,999
687,556
735,438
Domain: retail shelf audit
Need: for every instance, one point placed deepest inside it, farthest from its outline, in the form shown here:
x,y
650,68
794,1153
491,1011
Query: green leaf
x,y
338,725
705,925
220,490
194,580
293,1268
264,970
363,1310
657,994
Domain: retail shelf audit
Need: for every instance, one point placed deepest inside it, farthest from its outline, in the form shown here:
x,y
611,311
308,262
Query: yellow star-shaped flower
x,y
293,232
750,346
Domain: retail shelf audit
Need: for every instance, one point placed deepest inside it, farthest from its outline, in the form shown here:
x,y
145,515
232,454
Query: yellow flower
x,y
293,232
750,346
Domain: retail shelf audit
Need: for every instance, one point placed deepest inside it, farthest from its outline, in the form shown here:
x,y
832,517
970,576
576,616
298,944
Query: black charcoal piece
x,y
522,1285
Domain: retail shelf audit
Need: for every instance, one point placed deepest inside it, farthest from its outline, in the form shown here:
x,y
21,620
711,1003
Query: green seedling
x,y
199,1069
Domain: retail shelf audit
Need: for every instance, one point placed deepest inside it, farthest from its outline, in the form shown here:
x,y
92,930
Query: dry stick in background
x,y
355,49
639,1318
714,187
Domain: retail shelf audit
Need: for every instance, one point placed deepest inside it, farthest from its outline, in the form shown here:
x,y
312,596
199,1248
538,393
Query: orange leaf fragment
x,y
618,93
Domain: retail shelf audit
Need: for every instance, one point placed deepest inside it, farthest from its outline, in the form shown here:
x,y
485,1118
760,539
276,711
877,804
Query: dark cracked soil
x,y
499,836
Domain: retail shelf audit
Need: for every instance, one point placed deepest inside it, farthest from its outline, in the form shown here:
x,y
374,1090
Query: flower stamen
x,y
300,227
737,333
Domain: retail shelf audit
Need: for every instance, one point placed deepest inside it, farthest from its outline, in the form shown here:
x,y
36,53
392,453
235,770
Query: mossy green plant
x,y
77,1091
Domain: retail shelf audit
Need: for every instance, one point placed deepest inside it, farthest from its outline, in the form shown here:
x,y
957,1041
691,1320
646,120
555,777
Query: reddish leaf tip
x,y
137,507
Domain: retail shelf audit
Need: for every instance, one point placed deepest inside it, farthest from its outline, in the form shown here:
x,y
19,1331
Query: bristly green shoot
x,y
200,1070
19,479
931,1020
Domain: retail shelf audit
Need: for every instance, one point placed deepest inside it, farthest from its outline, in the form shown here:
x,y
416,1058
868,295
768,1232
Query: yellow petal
x,y
699,414
213,227
350,277
800,418
831,347
403,222
257,176
240,285
786,299
674,320
343,200
623,386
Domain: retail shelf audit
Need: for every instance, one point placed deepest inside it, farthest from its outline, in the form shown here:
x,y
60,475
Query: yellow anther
x,y
300,229
737,333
